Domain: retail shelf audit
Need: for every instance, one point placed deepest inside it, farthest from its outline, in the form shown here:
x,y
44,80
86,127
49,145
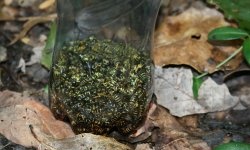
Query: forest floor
x,y
180,36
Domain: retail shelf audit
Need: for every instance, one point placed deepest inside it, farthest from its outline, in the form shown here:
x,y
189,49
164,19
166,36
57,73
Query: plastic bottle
x,y
101,73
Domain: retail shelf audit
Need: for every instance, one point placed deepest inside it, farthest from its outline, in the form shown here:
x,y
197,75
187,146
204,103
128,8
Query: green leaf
x,y
237,10
227,33
196,86
46,89
233,146
246,50
47,51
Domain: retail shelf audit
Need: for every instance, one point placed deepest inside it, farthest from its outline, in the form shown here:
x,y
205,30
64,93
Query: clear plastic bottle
x,y
101,73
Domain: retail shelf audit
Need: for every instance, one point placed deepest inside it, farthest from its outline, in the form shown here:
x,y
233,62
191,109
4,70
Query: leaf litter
x,y
171,135
27,122
179,40
85,141
173,89
31,22
182,40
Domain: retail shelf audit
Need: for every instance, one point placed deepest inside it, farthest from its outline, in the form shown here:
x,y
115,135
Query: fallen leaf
x,y
85,141
178,144
27,122
37,55
8,13
8,98
171,135
173,89
169,129
190,121
57,129
182,39
21,65
143,147
201,146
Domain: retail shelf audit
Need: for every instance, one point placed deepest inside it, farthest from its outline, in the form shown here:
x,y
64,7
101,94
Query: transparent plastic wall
x,y
101,74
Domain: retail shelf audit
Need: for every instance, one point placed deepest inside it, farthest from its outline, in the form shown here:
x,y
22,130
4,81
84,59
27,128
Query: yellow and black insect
x,y
100,86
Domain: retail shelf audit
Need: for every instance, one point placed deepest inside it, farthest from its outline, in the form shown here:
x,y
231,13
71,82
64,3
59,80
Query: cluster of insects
x,y
100,86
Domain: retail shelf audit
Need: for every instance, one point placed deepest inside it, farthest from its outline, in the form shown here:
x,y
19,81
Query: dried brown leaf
x,y
57,129
182,39
171,135
85,141
143,147
190,121
27,122
167,124
7,13
178,144
9,98
16,127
